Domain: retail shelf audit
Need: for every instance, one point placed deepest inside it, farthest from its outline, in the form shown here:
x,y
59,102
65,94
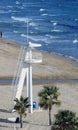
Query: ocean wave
x,y
36,38
21,19
56,30
44,14
50,36
75,41
15,31
66,56
23,35
14,11
42,9
72,58
31,32
55,23
47,35
5,12
76,19
17,2
32,24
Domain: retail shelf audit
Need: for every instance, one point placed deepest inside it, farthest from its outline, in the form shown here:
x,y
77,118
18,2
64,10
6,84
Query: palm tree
x,y
21,108
65,120
48,98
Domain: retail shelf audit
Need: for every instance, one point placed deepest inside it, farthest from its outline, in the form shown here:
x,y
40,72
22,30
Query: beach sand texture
x,y
39,118
52,67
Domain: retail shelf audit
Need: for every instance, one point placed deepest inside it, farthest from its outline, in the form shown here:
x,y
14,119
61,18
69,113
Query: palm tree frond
x,y
21,107
49,97
65,120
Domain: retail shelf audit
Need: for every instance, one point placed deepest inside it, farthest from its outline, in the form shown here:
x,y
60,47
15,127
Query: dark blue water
x,y
53,23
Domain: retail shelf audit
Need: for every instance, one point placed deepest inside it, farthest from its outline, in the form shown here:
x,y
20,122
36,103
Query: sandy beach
x,y
39,118
52,67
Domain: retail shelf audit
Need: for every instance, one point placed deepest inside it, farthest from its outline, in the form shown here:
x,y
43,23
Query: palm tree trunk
x,y
21,121
50,122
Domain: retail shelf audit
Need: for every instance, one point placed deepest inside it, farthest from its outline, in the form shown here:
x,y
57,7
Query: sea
x,y
52,23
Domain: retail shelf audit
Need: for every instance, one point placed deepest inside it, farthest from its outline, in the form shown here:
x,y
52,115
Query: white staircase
x,y
17,71
24,70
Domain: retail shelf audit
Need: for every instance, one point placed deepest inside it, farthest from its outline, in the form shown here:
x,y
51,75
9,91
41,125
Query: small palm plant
x,y
65,120
48,98
21,108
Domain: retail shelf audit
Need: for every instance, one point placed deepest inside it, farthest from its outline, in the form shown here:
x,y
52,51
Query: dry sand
x,y
52,67
38,120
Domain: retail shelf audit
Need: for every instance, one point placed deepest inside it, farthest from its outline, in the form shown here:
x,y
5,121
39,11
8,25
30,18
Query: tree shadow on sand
x,y
3,120
5,111
4,123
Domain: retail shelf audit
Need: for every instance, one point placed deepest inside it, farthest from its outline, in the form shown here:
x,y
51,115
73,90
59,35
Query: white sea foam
x,y
15,31
36,38
29,37
31,32
72,58
32,24
21,19
56,30
50,36
44,14
23,35
69,57
17,2
76,19
42,9
55,23
47,35
75,41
